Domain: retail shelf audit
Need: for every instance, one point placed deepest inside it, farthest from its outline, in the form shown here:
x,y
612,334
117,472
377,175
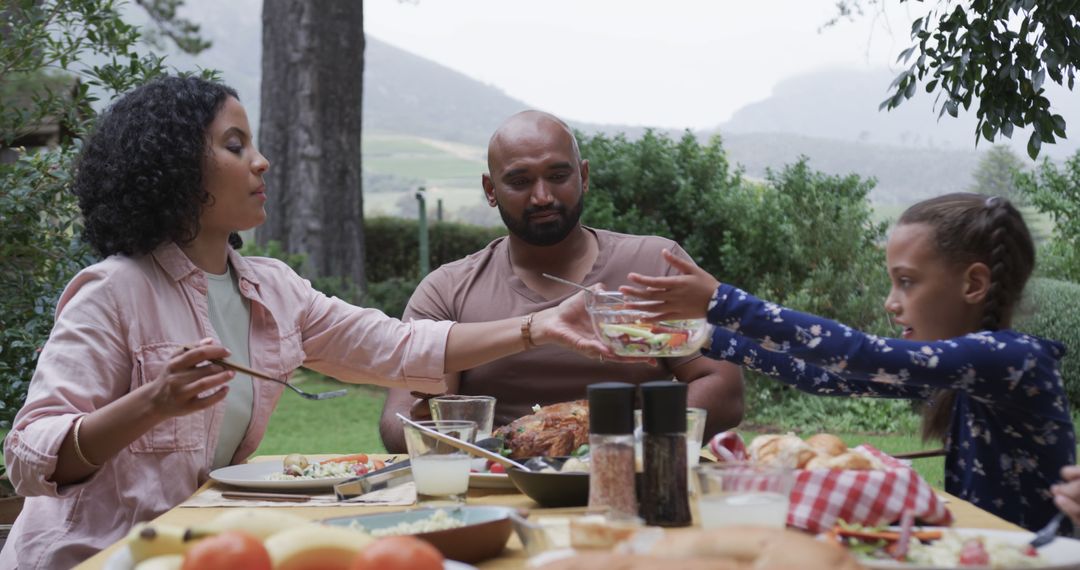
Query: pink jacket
x,y
117,324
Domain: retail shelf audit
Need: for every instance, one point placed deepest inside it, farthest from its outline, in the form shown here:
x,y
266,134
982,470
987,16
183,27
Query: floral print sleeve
x,y
733,347
1010,430
989,366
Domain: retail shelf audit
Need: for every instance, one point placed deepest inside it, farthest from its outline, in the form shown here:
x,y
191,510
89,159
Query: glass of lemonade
x,y
441,472
735,494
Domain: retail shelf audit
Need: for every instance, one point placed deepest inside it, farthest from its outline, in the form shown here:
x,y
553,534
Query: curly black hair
x,y
139,178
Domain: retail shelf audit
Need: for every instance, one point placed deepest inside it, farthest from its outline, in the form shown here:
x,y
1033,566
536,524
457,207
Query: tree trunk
x,y
309,129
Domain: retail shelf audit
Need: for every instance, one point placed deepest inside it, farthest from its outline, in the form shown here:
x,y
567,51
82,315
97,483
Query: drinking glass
x,y
441,472
737,493
479,409
695,433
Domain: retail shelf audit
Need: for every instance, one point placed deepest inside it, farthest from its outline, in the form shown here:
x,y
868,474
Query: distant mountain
x,y
903,175
843,105
405,93
829,116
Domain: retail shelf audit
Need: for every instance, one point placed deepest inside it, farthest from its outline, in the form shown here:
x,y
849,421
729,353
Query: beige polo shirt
x,y
483,287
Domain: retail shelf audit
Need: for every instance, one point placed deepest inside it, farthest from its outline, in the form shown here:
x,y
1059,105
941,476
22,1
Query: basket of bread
x,y
832,482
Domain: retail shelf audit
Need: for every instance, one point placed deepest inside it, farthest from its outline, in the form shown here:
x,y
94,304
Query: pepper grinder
x,y
665,493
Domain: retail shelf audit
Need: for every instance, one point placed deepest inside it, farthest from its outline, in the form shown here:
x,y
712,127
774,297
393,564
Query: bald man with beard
x,y
538,181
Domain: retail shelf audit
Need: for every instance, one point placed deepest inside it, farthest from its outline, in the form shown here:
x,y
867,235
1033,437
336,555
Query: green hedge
x,y
393,245
1052,310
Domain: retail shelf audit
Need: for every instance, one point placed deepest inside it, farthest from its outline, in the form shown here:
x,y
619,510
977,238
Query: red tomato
x,y
228,550
497,468
398,553
974,554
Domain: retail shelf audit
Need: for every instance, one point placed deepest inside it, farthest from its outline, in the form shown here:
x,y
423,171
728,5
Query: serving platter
x,y
1061,554
483,536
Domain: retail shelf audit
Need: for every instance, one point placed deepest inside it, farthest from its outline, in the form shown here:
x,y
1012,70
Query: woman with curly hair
x,y
121,422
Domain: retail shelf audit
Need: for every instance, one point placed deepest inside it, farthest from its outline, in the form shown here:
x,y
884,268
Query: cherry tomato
x,y
497,468
228,550
398,553
974,554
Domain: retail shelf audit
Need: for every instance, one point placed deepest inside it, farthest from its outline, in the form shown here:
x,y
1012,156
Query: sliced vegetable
x,y
354,458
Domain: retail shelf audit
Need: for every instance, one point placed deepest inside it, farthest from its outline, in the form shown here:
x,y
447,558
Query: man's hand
x,y
420,410
675,297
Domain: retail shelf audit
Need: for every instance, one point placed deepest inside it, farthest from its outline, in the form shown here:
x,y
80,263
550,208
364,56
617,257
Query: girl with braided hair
x,y
958,265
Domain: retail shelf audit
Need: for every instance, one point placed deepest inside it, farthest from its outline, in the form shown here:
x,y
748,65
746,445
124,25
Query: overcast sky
x,y
669,63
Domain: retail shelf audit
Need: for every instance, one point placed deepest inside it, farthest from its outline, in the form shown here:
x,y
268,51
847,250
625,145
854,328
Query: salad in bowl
x,y
628,332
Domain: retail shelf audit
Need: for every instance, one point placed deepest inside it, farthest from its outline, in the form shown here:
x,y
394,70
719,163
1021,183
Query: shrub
x,y
800,237
1052,310
393,245
40,249
389,296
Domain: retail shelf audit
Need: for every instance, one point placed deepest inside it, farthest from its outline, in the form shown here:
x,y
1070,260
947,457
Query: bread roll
x,y
848,460
780,450
760,442
827,444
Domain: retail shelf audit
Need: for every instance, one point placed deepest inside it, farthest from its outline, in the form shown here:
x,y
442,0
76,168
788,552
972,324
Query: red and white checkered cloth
x,y
821,497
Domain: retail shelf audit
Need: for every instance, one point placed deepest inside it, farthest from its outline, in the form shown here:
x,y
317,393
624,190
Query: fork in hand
x,y
1048,532
261,375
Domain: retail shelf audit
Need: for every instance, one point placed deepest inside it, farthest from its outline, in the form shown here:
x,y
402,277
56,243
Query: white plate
x,y
255,476
1062,554
121,560
490,481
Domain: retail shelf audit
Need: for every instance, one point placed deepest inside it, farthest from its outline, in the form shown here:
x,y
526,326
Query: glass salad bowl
x,y
627,333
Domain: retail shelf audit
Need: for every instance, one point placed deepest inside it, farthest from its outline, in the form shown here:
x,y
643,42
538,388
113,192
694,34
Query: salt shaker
x,y
611,447
665,492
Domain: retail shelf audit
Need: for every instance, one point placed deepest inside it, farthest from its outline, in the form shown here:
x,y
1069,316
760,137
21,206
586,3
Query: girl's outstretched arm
x,y
733,347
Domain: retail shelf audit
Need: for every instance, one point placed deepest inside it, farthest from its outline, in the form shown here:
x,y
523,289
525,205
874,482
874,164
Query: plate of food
x,y
468,533
936,548
297,472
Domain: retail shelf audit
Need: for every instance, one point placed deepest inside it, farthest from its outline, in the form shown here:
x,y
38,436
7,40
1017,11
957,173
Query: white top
x,y
230,315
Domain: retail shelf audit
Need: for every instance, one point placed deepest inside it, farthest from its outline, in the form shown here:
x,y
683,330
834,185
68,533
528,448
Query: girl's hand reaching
x,y
674,297
1067,493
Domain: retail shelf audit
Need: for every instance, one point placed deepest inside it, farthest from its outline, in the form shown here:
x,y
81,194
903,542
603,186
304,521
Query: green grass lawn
x,y
349,424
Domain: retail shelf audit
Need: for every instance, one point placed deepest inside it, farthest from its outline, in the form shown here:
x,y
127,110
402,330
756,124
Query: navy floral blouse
x,y
1010,433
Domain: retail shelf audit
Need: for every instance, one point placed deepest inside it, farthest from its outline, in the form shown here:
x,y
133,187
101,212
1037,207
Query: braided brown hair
x,y
974,228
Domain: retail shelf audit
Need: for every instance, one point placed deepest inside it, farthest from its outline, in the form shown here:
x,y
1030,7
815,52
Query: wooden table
x,y
964,514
